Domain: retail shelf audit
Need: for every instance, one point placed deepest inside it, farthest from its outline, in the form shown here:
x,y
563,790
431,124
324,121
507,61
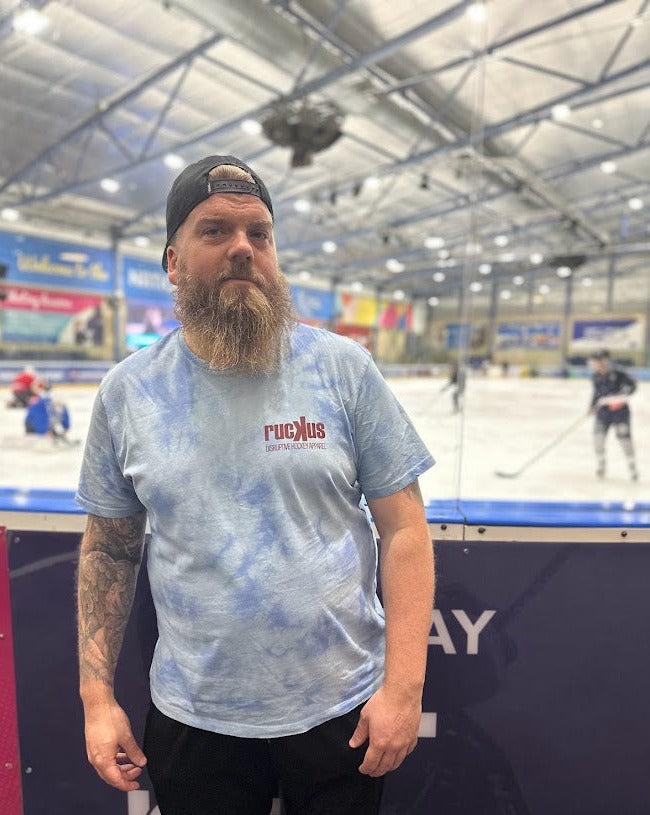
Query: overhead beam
x,y
104,108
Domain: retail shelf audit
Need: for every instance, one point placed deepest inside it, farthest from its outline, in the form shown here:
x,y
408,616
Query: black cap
x,y
193,185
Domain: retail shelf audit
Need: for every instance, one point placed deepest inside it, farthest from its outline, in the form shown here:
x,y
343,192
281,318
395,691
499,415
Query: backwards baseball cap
x,y
194,185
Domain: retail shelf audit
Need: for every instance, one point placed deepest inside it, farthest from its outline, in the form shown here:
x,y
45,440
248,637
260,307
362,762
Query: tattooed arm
x,y
390,719
111,550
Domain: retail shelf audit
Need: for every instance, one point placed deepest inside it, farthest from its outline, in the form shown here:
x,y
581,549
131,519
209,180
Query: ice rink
x,y
505,423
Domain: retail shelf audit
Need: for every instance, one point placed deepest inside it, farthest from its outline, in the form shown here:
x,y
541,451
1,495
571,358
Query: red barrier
x,y
10,787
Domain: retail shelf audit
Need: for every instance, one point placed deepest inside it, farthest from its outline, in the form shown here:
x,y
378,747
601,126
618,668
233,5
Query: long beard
x,y
236,327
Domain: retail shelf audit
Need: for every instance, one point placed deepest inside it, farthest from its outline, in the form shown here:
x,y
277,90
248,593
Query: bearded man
x,y
248,441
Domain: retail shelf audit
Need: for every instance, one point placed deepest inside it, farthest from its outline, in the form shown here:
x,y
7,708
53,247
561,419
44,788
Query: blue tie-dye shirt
x,y
262,563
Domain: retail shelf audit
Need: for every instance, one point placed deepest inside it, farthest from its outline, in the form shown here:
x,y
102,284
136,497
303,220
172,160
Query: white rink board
x,y
505,423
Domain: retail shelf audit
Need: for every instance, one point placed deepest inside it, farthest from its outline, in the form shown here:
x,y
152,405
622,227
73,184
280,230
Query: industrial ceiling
x,y
488,144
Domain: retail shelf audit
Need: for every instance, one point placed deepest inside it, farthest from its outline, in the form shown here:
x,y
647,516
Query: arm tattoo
x,y
111,549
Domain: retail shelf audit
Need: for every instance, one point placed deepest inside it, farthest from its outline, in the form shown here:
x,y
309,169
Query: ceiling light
x,y
434,242
635,203
251,126
501,240
477,12
398,294
506,294
536,258
560,112
608,167
475,286
373,182
357,286
30,22
394,265
304,275
443,254
597,124
174,161
433,301
329,247
109,185
544,289
518,280
473,248
507,257
141,240
9,214
587,281
439,276
485,268
302,205
563,271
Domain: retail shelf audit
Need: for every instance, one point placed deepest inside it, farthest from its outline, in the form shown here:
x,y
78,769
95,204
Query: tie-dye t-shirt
x,y
262,563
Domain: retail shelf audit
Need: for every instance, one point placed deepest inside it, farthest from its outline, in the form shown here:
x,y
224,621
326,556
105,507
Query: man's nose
x,y
240,246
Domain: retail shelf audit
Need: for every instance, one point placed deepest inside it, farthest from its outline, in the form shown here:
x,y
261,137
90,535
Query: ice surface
x,y
505,423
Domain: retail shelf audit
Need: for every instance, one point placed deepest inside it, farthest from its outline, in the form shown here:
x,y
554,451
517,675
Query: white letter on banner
x,y
472,629
443,637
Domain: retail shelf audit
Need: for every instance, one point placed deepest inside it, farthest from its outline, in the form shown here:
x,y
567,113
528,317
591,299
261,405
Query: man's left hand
x,y
389,721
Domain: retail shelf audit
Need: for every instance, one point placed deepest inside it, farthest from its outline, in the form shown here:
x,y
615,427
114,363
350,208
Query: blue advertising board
x,y
313,304
145,280
535,700
56,263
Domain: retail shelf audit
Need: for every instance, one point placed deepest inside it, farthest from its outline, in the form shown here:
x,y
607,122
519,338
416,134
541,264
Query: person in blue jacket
x,y
47,417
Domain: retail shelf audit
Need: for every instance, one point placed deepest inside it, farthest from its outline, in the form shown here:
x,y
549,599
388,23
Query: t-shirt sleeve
x,y
390,453
103,489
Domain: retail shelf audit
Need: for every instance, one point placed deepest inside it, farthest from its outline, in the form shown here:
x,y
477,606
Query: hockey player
x,y
609,403
47,417
25,386
456,381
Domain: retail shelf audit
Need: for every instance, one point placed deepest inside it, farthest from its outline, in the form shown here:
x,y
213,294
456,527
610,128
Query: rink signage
x,y
623,334
44,316
440,632
55,263
313,304
145,281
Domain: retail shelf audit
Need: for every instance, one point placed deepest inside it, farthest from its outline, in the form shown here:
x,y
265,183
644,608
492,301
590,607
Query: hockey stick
x,y
544,450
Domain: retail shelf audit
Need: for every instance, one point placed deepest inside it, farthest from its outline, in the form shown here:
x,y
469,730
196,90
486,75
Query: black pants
x,y
197,772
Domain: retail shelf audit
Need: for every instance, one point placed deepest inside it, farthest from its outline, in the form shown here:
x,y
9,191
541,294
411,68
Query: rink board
x,y
535,699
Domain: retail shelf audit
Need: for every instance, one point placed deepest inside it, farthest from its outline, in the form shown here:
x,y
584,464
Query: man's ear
x,y
172,265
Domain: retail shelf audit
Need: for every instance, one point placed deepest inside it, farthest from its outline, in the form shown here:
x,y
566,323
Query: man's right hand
x,y
111,748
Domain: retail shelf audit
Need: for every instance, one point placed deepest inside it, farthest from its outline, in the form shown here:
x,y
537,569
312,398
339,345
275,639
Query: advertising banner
x,y
396,315
56,263
623,334
356,310
148,322
49,317
146,281
313,305
528,335
465,335
535,700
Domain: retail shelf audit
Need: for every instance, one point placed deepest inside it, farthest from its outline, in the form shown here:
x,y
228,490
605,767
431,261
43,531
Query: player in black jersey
x,y
609,403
